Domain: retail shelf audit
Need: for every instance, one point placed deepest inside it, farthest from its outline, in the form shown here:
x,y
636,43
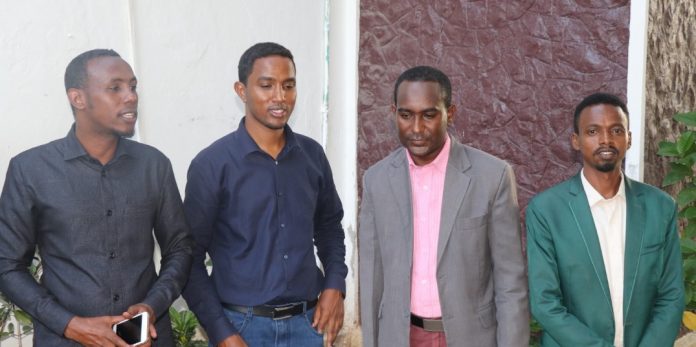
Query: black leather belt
x,y
273,311
428,324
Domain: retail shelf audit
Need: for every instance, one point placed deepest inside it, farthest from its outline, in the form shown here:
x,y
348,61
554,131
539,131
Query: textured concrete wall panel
x,y
517,68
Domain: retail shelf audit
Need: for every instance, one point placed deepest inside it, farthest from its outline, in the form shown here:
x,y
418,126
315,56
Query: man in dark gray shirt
x,y
90,202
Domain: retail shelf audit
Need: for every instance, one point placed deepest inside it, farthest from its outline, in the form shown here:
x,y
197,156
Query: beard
x,y
605,167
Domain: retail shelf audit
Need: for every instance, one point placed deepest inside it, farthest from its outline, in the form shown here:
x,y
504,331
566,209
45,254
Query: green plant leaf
x,y
676,173
688,119
22,317
688,246
685,143
668,149
686,196
690,265
690,230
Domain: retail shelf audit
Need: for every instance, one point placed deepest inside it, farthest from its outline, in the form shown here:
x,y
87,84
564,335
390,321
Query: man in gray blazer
x,y
439,241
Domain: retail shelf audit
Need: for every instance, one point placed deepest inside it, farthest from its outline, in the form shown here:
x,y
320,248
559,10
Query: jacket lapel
x,y
400,184
455,189
635,228
582,215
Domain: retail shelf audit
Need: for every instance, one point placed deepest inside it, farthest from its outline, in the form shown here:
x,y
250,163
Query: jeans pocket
x,y
238,319
309,317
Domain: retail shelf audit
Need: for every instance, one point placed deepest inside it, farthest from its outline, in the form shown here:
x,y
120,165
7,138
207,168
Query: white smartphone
x,y
133,331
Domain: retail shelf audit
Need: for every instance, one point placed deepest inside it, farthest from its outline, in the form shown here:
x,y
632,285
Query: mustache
x,y
282,107
608,148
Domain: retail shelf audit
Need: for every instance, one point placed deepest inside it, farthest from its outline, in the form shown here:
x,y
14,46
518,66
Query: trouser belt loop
x,y
428,324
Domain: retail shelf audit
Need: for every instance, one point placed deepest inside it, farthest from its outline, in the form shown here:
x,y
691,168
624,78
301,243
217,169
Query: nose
x,y
131,96
417,125
278,93
605,137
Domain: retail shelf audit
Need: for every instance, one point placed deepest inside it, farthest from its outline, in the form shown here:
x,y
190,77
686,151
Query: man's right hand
x,y
95,331
233,341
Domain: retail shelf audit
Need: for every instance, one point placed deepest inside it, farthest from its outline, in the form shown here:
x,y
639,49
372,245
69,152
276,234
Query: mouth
x,y
278,112
607,153
130,116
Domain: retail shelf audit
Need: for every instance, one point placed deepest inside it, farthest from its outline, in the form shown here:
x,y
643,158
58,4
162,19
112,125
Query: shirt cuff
x,y
335,282
56,319
219,330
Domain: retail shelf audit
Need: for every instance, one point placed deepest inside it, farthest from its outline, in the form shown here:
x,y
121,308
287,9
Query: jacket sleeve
x,y
371,276
17,247
510,283
546,299
667,311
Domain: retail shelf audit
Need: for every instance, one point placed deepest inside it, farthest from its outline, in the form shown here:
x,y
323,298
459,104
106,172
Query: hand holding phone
x,y
134,331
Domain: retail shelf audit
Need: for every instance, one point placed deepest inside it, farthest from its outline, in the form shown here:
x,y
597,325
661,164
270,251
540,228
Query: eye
x,y
404,115
265,86
618,131
133,88
430,115
115,88
591,131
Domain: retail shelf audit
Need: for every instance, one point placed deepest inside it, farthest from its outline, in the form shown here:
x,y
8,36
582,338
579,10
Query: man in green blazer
x,y
603,250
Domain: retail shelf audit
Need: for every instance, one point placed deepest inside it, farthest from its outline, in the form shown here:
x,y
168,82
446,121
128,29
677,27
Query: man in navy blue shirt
x,y
258,200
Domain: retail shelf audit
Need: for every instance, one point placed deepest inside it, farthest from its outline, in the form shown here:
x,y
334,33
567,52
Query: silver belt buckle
x,y
433,325
279,312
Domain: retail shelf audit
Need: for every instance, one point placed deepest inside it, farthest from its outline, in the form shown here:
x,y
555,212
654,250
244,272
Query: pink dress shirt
x,y
427,186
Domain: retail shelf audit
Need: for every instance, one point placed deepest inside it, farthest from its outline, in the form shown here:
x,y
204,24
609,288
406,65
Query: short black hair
x,y
426,74
260,50
597,99
76,72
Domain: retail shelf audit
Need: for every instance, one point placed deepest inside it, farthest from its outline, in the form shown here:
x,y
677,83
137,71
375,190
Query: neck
x,y
606,183
270,141
98,146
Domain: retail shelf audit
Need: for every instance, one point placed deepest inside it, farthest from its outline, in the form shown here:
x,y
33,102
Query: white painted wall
x,y
185,56
635,89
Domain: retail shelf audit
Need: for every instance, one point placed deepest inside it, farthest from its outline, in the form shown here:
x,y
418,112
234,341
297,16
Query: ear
x,y
77,98
240,89
451,111
575,141
629,140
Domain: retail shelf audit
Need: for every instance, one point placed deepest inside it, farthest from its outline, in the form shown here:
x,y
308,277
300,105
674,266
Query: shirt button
x,y
280,193
285,256
282,225
109,213
112,255
103,173
116,297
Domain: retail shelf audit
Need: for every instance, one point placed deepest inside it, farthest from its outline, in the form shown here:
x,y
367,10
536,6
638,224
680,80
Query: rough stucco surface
x,y
518,69
670,78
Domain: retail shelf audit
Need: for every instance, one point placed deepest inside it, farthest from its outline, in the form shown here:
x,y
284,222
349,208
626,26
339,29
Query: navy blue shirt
x,y
259,219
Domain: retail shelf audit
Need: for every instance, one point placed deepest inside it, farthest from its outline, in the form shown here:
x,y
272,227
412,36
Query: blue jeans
x,y
258,331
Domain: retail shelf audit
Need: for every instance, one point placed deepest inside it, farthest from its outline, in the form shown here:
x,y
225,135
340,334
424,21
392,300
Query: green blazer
x,y
568,289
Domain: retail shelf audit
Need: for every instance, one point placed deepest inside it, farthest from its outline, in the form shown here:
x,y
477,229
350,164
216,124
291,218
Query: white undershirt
x,y
609,217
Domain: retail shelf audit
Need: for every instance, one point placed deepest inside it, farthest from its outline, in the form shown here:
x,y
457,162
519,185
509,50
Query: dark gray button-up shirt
x,y
93,225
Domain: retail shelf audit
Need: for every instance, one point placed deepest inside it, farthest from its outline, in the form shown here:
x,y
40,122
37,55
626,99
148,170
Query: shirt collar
x,y
248,145
593,196
439,163
73,148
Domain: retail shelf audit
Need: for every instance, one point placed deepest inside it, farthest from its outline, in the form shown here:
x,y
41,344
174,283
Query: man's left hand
x,y
328,317
138,308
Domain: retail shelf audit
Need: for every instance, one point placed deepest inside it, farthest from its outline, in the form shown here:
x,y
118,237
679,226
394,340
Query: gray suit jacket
x,y
480,267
